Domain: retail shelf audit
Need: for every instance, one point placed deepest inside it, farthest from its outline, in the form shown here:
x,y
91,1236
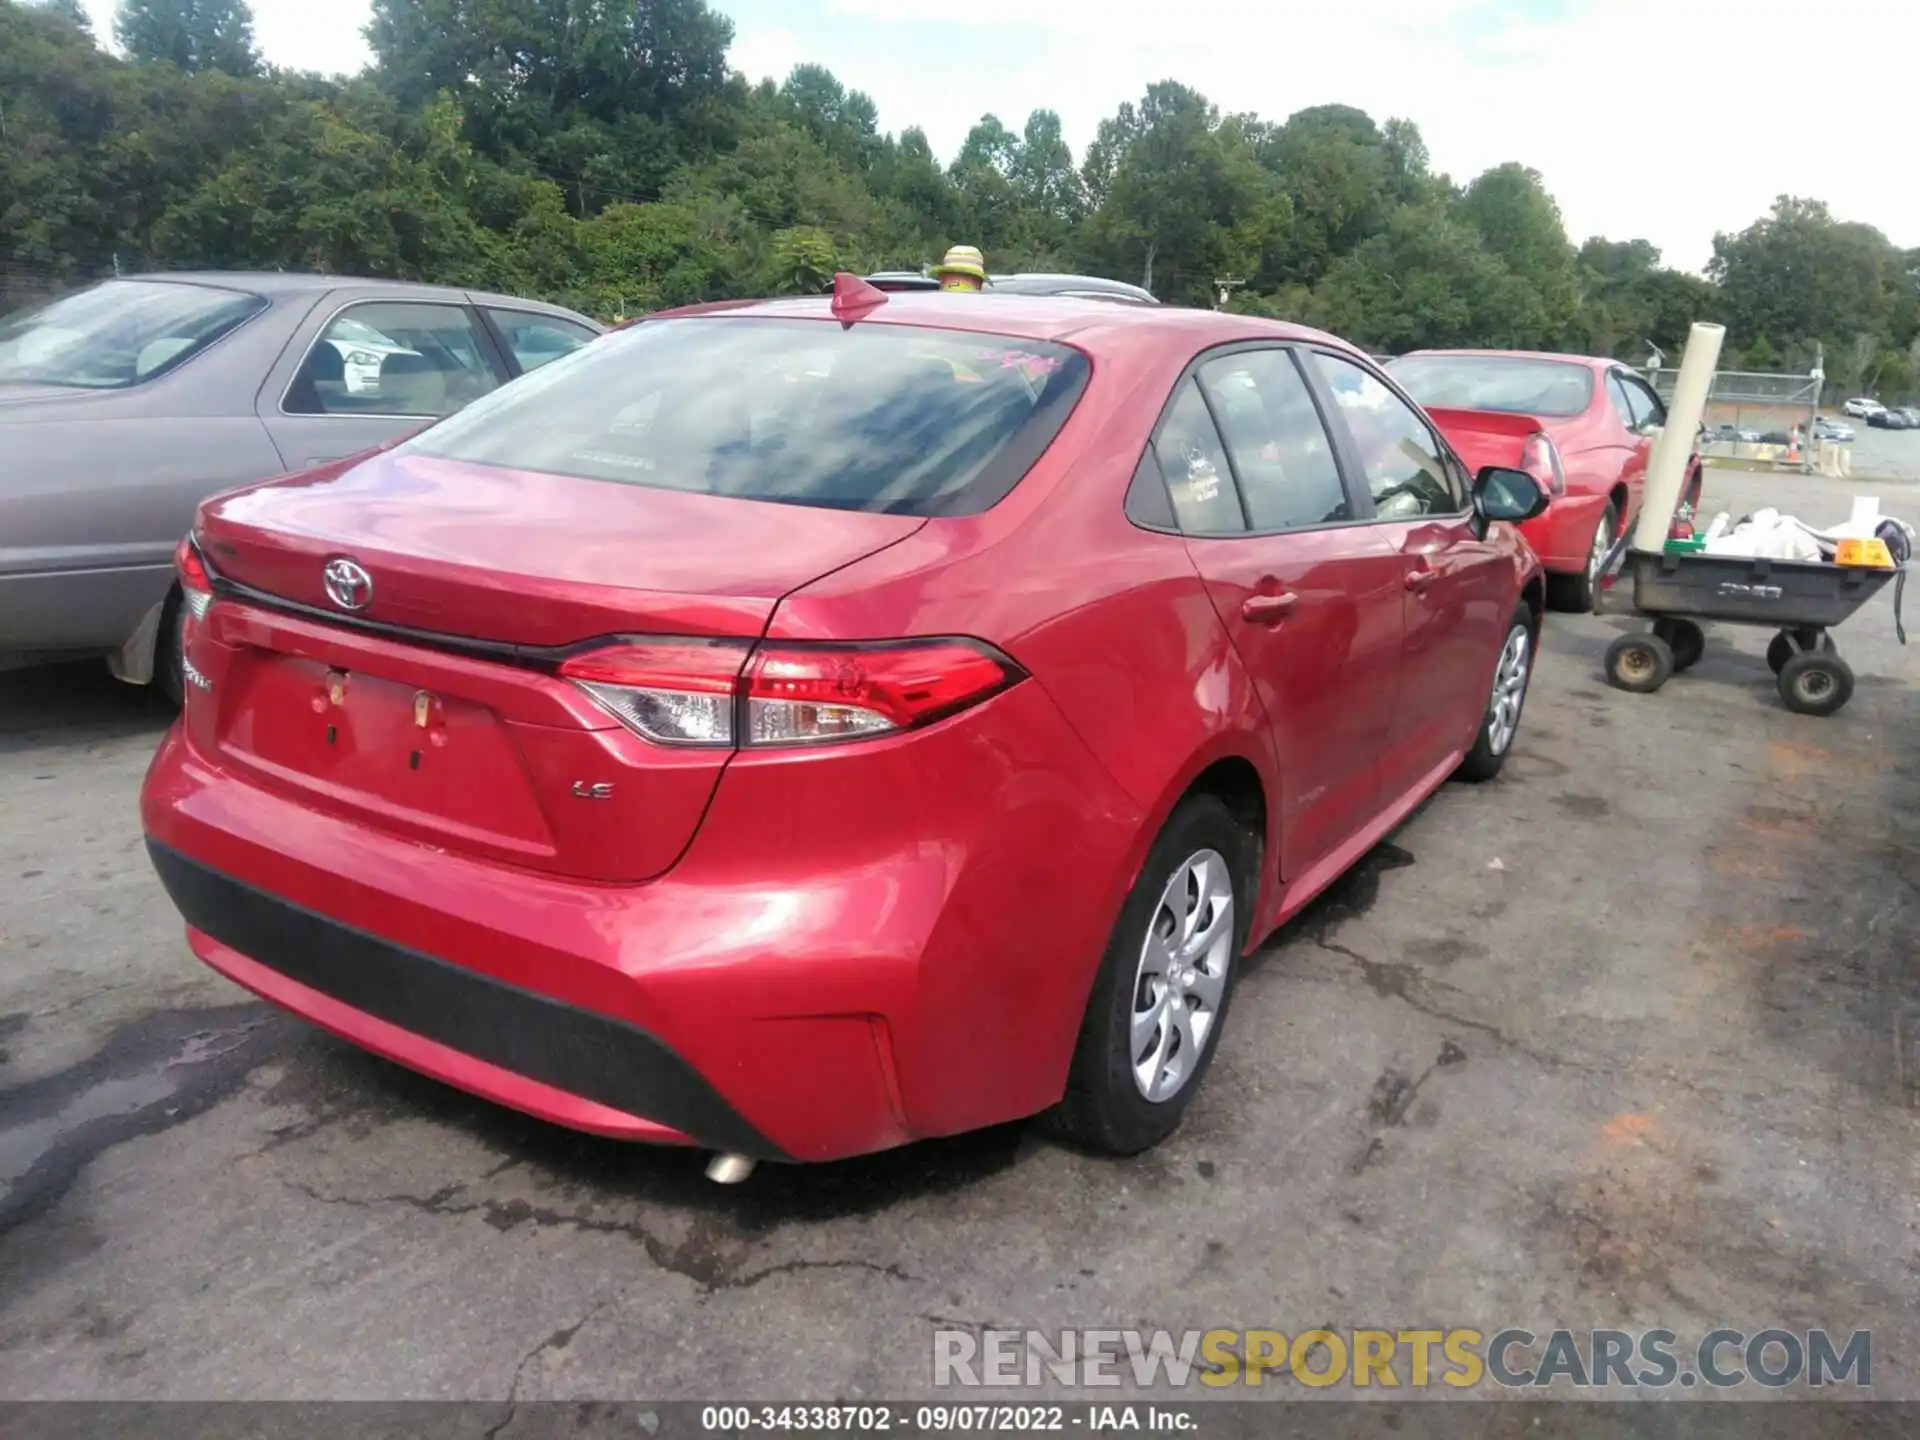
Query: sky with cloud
x,y
1662,119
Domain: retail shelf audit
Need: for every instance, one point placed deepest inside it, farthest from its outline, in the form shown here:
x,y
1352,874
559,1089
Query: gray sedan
x,y
123,405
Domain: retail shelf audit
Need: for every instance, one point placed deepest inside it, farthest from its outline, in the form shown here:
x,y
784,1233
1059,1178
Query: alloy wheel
x,y
1597,558
1509,690
1181,978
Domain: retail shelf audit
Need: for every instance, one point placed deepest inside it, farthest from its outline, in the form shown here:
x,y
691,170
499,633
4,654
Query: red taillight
x,y
800,695
1541,459
679,692
690,692
196,584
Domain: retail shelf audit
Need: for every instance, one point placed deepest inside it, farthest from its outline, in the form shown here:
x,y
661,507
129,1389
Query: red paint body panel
x,y
1603,458
824,891
527,558
828,936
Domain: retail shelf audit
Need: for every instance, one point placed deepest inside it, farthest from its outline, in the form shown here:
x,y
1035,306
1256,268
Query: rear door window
x,y
1647,410
1617,397
408,358
1289,477
119,333
879,417
537,340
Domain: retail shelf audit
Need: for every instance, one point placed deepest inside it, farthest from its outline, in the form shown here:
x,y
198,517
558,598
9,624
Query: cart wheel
x,y
1686,639
1816,682
1640,663
1784,646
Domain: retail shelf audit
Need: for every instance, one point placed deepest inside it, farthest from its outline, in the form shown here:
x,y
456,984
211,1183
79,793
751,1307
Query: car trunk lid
x,y
528,559
435,710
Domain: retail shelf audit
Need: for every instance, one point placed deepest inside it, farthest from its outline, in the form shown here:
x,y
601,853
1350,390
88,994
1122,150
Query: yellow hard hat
x,y
963,260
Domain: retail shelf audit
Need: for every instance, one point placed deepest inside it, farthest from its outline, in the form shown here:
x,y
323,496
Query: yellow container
x,y
1863,554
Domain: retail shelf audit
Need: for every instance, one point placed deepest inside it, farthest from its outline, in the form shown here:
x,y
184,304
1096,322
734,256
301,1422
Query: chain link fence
x,y
1753,403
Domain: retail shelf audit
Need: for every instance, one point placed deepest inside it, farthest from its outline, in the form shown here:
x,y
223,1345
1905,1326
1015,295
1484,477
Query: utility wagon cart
x,y
1801,600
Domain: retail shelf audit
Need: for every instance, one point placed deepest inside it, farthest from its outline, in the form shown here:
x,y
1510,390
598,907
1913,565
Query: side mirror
x,y
1503,494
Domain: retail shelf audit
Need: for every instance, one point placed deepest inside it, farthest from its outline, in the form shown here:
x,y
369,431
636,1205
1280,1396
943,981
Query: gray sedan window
x,y
119,334
536,339
387,357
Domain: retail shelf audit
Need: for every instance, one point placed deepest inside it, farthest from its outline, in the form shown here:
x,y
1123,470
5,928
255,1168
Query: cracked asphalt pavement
x,y
1626,1038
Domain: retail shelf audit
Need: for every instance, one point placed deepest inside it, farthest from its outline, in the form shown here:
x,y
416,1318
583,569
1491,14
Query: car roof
x,y
1093,325
1592,362
278,282
272,282
1035,282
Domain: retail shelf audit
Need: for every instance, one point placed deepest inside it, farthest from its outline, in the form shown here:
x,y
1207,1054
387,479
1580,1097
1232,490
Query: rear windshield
x,y
887,418
119,333
1496,382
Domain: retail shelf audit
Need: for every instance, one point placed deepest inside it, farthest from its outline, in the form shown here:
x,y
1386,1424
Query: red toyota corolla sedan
x,y
797,728
1580,426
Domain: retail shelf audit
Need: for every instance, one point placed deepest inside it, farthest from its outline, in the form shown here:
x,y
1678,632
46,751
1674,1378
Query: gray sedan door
x,y
374,364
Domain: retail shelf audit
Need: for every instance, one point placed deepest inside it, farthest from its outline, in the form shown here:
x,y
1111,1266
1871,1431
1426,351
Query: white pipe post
x,y
1667,465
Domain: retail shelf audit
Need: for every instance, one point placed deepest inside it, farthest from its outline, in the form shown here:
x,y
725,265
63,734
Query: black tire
x,y
1578,593
1488,754
1815,682
1640,663
1686,640
1782,647
169,652
1104,1108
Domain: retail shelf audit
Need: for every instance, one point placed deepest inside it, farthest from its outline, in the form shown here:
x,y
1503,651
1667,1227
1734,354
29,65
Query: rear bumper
x,y
563,1063
849,956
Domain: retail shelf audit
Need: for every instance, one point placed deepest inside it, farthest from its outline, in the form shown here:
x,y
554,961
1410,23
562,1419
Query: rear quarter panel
x,y
90,512
98,487
1596,448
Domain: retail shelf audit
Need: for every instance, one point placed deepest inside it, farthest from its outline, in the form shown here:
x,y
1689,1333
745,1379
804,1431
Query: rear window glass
x,y
119,333
886,418
1495,382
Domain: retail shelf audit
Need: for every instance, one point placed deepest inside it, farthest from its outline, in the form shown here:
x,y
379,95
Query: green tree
x,y
1425,280
1044,181
1519,223
800,261
1187,201
195,35
908,177
602,153
1798,273
605,97
1340,178
986,206
842,122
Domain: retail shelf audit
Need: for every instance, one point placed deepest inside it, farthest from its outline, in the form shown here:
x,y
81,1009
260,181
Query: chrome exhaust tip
x,y
729,1169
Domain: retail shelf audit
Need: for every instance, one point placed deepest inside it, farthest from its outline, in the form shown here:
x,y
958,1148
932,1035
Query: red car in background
x,y
801,727
1581,426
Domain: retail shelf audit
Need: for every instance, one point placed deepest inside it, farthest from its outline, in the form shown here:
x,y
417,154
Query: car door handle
x,y
1418,580
1268,609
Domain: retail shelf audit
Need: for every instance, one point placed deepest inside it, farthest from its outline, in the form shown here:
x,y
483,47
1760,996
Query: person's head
x,y
964,269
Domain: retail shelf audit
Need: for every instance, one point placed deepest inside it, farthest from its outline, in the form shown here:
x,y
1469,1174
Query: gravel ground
x,y
1625,1038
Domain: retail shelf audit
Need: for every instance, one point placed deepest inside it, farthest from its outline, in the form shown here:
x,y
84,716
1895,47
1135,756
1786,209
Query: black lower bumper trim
x,y
583,1053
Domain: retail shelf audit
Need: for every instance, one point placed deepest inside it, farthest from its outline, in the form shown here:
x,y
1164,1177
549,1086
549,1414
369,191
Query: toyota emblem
x,y
348,586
